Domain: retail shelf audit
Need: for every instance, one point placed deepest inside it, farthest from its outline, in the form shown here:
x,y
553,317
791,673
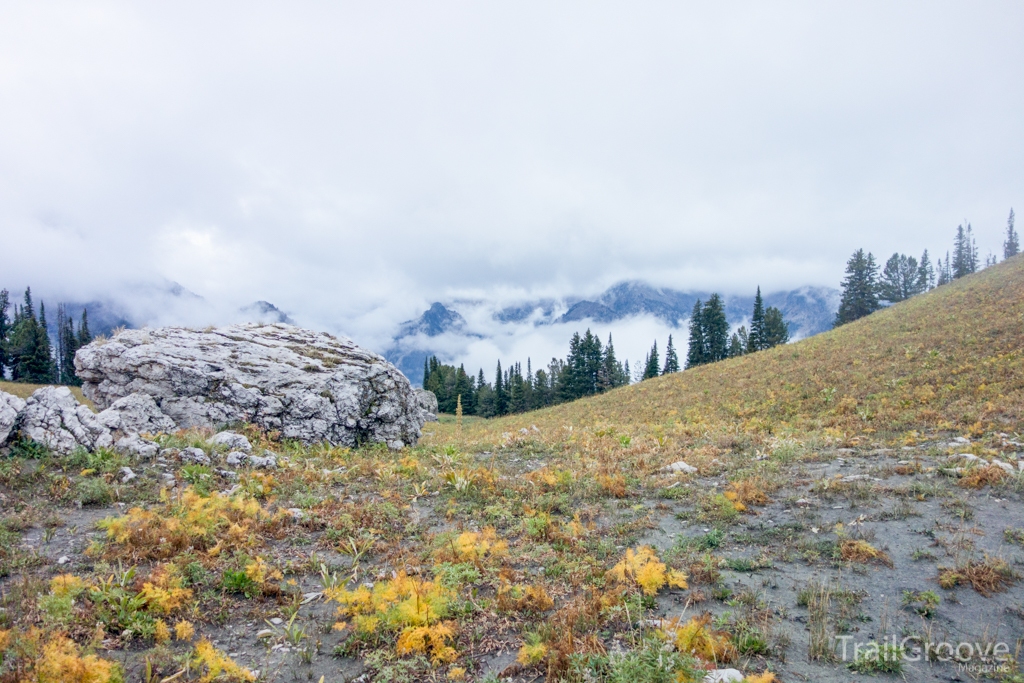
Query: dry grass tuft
x,y
980,477
863,552
989,576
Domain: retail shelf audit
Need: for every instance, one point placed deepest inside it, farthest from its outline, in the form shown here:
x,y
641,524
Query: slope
x,y
951,359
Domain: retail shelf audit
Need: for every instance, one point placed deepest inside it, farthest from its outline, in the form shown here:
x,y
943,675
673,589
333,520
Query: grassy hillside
x,y
951,359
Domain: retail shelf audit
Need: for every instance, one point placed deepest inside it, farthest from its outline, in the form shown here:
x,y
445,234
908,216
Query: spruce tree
x,y
671,359
859,297
965,252
716,329
1011,247
84,335
500,397
900,279
757,332
426,371
925,274
652,368
776,328
735,346
5,331
695,351
612,374
945,272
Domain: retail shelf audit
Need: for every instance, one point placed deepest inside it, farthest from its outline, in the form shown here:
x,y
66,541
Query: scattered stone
x,y
803,501
233,440
127,475
264,633
236,458
267,462
1005,465
1020,465
969,457
133,444
679,466
63,559
308,385
136,414
194,455
961,439
10,407
227,473
723,676
277,621
297,513
53,417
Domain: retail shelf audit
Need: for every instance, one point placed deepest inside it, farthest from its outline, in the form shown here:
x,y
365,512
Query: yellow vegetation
x,y
432,640
219,667
695,637
183,630
643,569
862,551
475,546
163,592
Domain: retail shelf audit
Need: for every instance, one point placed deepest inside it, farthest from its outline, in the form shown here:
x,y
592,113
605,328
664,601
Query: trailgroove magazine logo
x,y
971,657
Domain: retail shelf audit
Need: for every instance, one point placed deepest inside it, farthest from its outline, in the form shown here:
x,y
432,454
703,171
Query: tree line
x,y
26,353
590,368
866,290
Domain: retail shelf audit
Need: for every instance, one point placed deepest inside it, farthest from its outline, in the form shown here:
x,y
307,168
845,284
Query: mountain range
x,y
809,310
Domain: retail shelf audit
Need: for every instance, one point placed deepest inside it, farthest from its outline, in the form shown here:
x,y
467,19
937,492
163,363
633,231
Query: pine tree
x,y
426,371
945,272
5,331
860,288
67,345
776,328
757,332
716,329
1011,247
965,252
671,359
695,351
500,397
628,376
925,274
652,367
612,374
84,335
900,279
738,342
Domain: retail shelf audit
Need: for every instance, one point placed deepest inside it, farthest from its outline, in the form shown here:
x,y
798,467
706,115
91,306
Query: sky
x,y
354,162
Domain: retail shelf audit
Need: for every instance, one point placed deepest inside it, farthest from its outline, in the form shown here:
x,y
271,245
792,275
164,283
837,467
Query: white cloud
x,y
353,163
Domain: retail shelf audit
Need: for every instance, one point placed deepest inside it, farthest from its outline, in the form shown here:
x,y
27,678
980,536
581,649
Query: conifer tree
x,y
757,332
925,274
859,297
738,342
626,372
776,328
945,272
426,371
671,359
500,397
5,331
1011,247
612,373
965,252
84,335
900,279
652,368
716,329
695,351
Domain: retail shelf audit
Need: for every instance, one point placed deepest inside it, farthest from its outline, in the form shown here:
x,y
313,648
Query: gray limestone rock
x,y
133,444
309,386
232,440
136,413
195,456
53,417
427,401
267,461
236,458
10,407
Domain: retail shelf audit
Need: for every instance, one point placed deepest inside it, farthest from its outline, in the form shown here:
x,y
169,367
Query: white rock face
x,y
133,444
724,676
53,417
311,386
10,407
136,414
232,440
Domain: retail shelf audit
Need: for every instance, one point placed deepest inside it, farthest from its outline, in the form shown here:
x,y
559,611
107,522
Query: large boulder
x,y
136,414
427,400
309,385
10,407
53,417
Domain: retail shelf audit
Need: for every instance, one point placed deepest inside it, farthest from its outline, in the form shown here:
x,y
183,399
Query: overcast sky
x,y
352,162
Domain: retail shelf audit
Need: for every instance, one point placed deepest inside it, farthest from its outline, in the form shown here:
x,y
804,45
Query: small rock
x,y
133,444
297,513
1005,465
961,439
969,457
723,676
63,559
803,501
127,475
233,440
268,461
227,473
1020,465
264,633
194,455
277,621
236,458
679,466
